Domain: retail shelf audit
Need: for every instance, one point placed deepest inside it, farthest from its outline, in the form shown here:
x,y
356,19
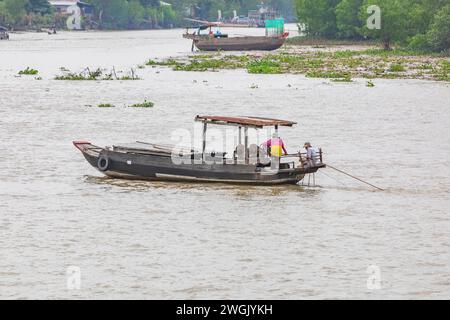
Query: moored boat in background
x,y
274,38
4,33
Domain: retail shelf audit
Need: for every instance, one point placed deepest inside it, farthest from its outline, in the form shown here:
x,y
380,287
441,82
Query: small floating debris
x,y
344,79
370,84
106,105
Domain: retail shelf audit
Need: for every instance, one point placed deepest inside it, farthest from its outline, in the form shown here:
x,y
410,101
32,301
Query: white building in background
x,y
61,6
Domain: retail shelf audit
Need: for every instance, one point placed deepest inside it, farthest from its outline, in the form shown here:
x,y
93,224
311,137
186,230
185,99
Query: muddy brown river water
x,y
68,232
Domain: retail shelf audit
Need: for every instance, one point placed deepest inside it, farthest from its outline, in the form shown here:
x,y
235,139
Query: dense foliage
x,y
419,24
133,14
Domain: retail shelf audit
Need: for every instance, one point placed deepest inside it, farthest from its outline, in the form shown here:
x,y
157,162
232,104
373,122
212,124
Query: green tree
x,y
111,13
150,3
135,13
318,17
394,21
15,9
438,35
39,6
347,18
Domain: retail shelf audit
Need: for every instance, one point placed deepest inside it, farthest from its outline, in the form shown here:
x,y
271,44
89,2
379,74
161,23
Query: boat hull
x,y
206,43
129,165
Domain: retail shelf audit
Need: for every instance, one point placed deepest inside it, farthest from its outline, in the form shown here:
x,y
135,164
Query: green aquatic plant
x,y
206,65
370,84
71,76
145,104
106,105
339,65
426,66
97,74
328,74
397,67
442,73
347,78
445,65
87,74
168,62
264,66
28,71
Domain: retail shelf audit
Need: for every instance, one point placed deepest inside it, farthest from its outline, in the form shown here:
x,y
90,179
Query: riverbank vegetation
x,y
341,65
136,14
23,14
131,14
420,25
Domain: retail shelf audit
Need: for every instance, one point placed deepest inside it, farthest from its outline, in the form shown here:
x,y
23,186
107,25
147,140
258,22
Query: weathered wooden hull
x,y
206,43
130,165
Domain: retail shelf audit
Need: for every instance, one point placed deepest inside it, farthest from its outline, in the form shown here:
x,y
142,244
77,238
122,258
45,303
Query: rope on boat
x,y
351,176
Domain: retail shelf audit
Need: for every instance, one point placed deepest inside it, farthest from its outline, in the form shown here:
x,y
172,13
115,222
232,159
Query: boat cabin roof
x,y
245,121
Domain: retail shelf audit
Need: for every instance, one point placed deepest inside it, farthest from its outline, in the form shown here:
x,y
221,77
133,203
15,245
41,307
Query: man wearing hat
x,y
310,155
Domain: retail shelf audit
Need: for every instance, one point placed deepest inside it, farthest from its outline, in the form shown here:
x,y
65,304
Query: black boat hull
x,y
130,165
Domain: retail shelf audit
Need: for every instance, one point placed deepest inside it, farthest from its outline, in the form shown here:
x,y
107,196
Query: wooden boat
x,y
4,33
247,165
225,43
275,37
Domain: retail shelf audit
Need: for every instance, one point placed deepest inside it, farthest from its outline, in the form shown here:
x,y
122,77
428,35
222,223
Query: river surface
x,y
68,232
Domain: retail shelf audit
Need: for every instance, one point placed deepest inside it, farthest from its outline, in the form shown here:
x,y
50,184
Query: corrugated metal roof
x,y
63,2
246,121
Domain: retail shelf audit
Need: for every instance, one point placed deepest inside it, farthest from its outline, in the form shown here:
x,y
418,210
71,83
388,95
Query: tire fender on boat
x,y
103,163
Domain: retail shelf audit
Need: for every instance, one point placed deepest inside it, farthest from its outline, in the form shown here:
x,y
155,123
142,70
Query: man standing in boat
x,y
275,146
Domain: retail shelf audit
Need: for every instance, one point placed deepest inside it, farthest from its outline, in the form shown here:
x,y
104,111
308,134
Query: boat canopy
x,y
256,122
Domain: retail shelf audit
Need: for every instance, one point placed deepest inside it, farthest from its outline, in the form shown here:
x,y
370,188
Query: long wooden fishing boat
x,y
273,39
247,165
225,43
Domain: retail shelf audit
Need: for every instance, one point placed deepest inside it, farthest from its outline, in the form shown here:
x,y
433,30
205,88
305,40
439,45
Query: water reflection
x,y
240,191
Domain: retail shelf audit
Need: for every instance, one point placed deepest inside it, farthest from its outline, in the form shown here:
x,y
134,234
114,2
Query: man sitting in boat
x,y
311,156
275,146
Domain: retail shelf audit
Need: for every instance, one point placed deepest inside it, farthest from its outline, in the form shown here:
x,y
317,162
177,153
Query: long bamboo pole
x,y
347,174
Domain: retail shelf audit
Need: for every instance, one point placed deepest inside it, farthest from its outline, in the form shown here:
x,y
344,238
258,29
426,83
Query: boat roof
x,y
245,121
